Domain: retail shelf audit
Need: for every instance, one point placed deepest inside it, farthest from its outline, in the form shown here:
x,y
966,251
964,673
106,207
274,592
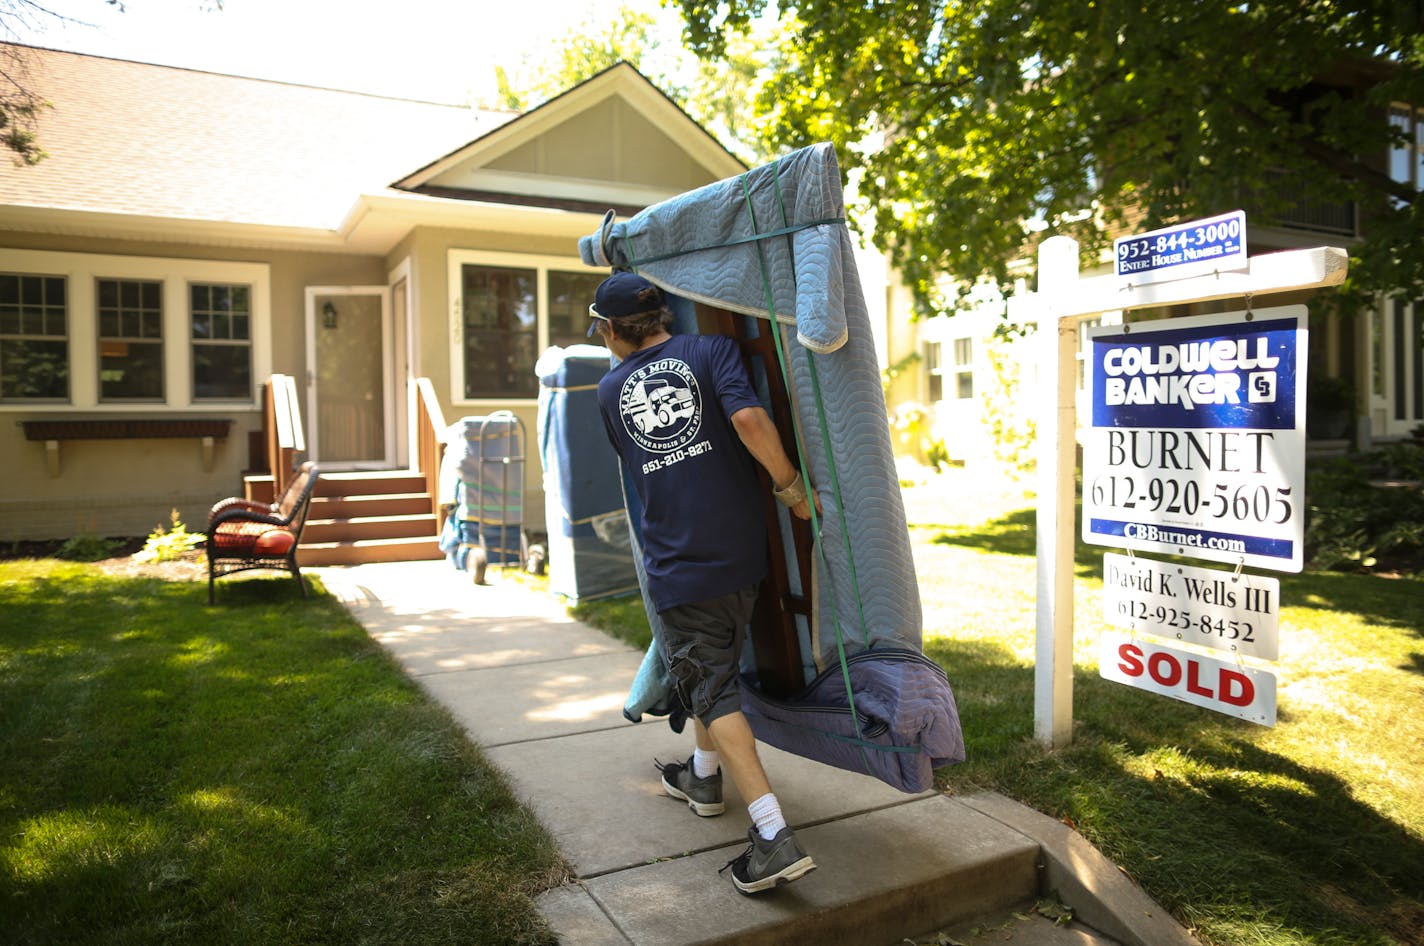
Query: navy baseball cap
x,y
623,294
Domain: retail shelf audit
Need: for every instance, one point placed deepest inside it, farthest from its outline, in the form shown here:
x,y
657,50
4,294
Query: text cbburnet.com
x,y
1150,533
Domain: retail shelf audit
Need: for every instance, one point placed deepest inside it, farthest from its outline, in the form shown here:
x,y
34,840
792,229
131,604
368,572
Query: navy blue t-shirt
x,y
667,410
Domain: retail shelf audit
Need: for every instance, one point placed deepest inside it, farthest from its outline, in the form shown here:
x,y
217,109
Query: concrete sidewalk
x,y
543,695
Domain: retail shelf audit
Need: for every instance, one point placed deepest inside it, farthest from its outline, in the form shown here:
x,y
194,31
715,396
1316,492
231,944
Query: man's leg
x,y
736,745
774,856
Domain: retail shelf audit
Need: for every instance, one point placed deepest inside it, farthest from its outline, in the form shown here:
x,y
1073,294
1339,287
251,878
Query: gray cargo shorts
x,y
702,647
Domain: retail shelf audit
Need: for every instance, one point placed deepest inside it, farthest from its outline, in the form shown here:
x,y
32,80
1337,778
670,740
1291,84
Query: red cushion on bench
x,y
252,538
275,542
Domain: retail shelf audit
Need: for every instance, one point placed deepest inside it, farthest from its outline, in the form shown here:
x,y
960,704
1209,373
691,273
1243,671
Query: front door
x,y
349,406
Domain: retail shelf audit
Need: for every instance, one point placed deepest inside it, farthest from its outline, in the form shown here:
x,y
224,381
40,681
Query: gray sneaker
x,y
768,864
703,795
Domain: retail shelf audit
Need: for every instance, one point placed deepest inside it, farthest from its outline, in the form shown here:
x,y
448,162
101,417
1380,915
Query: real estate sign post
x,y
1195,448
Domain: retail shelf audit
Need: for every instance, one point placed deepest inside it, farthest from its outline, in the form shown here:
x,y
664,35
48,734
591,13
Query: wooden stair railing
x,y
429,443
282,434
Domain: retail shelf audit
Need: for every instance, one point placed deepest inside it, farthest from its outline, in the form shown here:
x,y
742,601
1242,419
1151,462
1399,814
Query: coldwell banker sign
x,y
1197,440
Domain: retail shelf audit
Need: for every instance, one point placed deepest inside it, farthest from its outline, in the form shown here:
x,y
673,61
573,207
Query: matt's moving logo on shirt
x,y
661,405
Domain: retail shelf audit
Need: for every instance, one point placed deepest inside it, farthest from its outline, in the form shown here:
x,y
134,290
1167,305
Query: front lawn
x,y
257,772
1311,832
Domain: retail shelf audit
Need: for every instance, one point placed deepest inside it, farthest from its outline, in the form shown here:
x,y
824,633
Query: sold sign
x,y
1239,691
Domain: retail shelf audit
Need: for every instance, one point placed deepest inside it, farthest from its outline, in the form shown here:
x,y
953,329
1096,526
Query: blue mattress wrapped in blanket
x,y
772,245
590,548
482,478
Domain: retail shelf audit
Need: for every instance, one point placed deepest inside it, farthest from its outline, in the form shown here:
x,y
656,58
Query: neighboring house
x,y
192,234
1377,354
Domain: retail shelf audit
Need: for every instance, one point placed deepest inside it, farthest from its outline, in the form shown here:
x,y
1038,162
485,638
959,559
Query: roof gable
x,y
615,137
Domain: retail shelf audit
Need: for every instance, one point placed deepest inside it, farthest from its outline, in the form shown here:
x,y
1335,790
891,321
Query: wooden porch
x,y
376,516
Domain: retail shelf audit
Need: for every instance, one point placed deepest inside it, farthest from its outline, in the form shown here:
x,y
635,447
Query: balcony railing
x,y
1336,217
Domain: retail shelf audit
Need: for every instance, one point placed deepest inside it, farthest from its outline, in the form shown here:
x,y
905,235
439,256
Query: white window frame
x,y
68,343
162,341
1414,148
194,343
1398,347
934,369
541,265
83,272
962,369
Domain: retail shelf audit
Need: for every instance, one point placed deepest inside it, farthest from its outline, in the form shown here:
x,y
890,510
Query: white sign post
x,y
1061,301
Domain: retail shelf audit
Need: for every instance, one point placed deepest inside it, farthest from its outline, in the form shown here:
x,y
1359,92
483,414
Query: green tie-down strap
x,y
859,739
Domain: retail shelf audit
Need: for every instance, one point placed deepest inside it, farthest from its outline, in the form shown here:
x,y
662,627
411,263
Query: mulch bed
x,y
193,566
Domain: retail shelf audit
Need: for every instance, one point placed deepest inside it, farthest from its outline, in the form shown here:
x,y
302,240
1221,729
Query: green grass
x,y
623,618
1308,832
258,772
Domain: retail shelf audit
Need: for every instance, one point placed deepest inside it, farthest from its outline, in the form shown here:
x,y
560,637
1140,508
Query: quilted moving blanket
x,y
772,245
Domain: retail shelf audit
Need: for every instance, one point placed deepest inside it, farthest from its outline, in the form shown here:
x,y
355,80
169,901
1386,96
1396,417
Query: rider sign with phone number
x,y
1197,440
1217,244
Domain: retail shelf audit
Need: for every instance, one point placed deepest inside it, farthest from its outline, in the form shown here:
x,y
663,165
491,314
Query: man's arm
x,y
763,442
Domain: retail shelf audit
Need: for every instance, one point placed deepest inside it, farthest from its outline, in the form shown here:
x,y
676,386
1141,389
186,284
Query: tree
x,y
585,50
20,108
718,93
977,128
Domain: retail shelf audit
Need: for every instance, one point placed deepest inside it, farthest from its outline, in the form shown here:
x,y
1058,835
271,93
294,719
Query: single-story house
x,y
196,244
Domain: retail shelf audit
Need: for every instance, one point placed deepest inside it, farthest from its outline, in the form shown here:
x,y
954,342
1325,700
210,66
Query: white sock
x,y
766,815
704,762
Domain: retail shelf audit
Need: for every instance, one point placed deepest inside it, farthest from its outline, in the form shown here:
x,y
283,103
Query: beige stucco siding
x,y
428,250
125,487
610,143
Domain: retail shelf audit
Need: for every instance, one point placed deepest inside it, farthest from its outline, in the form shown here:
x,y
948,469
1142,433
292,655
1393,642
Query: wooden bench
x,y
243,534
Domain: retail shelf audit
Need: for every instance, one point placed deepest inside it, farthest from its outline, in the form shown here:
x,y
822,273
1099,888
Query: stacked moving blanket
x,y
482,476
772,245
590,552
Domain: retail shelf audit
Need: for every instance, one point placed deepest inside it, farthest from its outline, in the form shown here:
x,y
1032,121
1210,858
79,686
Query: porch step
x,y
370,506
361,551
375,516
374,483
368,527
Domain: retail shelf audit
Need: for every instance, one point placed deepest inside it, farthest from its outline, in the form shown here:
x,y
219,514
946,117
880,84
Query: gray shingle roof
x,y
132,138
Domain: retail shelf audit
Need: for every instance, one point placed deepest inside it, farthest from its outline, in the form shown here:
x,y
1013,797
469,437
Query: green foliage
x,y
911,425
891,374
86,548
719,95
169,545
1008,415
1367,512
975,129
1329,394
20,108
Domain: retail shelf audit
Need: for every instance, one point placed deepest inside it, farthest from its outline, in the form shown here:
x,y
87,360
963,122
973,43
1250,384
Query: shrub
x,y
1367,512
86,548
169,545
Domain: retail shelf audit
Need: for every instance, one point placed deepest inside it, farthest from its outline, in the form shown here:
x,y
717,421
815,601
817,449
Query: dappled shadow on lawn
x,y
257,771
1391,602
1011,535
1226,833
